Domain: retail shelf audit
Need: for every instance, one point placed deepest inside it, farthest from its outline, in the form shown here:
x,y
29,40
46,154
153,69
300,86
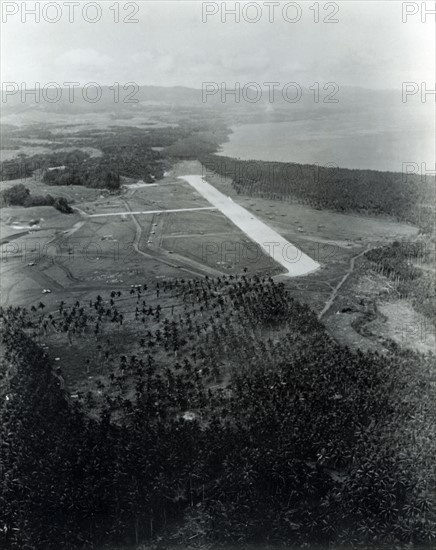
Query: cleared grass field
x,y
228,253
103,251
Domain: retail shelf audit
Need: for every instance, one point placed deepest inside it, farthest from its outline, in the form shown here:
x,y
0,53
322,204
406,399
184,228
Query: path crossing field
x,y
123,213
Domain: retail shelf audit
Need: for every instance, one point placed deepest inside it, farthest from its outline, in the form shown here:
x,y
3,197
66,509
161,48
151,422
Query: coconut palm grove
x,y
217,410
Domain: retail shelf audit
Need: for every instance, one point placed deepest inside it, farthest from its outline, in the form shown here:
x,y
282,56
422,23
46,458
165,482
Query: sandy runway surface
x,y
282,251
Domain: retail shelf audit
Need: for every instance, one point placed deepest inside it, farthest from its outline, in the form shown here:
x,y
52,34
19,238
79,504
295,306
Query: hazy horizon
x,y
170,45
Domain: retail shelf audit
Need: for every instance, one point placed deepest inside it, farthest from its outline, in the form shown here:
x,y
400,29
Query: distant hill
x,y
332,97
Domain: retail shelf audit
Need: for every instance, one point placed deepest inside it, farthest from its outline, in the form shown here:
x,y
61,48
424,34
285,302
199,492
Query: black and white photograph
x,y
217,275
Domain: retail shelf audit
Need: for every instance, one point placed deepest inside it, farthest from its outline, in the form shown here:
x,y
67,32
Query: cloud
x,y
172,46
88,58
82,65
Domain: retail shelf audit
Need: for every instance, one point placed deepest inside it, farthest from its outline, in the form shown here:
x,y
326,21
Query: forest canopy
x,y
293,439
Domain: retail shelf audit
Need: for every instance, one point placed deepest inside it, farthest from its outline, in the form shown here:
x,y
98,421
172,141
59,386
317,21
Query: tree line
x,y
344,190
19,195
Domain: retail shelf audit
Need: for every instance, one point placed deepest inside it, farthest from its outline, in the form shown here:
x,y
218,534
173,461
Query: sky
x,y
175,43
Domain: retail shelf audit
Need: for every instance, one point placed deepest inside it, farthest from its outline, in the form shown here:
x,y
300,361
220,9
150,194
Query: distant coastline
x,y
347,144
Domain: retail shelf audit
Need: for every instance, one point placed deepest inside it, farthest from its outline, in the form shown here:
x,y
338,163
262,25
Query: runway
x,y
277,247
